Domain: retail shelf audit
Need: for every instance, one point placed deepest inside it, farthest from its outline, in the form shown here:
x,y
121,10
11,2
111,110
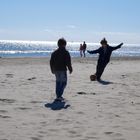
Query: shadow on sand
x,y
57,105
103,82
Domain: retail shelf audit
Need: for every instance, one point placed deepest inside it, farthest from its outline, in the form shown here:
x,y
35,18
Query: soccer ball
x,y
92,77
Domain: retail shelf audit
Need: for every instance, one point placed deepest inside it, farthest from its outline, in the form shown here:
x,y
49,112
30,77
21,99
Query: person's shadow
x,y
57,105
103,82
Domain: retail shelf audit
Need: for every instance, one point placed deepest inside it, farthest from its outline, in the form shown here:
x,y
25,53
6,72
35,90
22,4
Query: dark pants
x,y
100,69
61,82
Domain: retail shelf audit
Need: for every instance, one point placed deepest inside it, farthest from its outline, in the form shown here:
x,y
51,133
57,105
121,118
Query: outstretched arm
x,y
94,51
117,47
51,64
68,62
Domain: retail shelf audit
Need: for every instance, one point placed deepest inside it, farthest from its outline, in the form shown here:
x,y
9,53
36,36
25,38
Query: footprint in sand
x,y
36,102
4,117
7,100
23,108
84,93
32,78
35,138
9,75
3,111
123,76
108,133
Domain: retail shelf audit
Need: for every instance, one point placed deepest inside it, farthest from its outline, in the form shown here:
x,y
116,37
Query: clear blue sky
x,y
76,20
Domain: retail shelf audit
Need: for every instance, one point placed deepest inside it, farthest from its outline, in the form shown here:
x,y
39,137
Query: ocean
x,y
11,48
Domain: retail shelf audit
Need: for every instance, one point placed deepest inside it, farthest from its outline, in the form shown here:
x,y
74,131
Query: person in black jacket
x,y
59,63
84,48
105,52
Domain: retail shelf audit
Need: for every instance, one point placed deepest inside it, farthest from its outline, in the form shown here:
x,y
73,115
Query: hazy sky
x,y
76,20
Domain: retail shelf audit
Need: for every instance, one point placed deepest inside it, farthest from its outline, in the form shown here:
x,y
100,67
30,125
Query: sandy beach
x,y
109,110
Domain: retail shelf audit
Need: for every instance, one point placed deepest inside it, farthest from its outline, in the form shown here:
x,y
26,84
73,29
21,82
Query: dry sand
x,y
93,111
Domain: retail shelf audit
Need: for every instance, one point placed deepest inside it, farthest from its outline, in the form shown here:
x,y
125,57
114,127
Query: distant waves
x,y
45,48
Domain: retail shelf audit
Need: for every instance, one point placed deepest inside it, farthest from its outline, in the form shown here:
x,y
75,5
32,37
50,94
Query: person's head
x,y
62,42
104,42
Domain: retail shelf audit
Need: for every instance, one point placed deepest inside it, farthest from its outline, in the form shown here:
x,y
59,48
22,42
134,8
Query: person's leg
x,y
99,71
62,87
81,53
58,84
61,82
58,89
84,53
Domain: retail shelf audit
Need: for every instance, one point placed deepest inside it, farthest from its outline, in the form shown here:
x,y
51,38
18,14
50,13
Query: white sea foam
x,y
14,48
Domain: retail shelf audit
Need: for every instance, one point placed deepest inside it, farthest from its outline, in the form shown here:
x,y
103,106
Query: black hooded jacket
x,y
104,55
60,60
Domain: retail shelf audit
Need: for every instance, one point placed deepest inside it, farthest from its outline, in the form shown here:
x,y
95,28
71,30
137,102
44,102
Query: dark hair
x,y
62,42
103,41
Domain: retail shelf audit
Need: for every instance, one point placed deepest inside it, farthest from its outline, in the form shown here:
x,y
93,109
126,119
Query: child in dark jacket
x,y
59,63
105,52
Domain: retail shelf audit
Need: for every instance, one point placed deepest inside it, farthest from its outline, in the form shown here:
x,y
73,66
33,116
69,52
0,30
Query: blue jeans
x,y
61,82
